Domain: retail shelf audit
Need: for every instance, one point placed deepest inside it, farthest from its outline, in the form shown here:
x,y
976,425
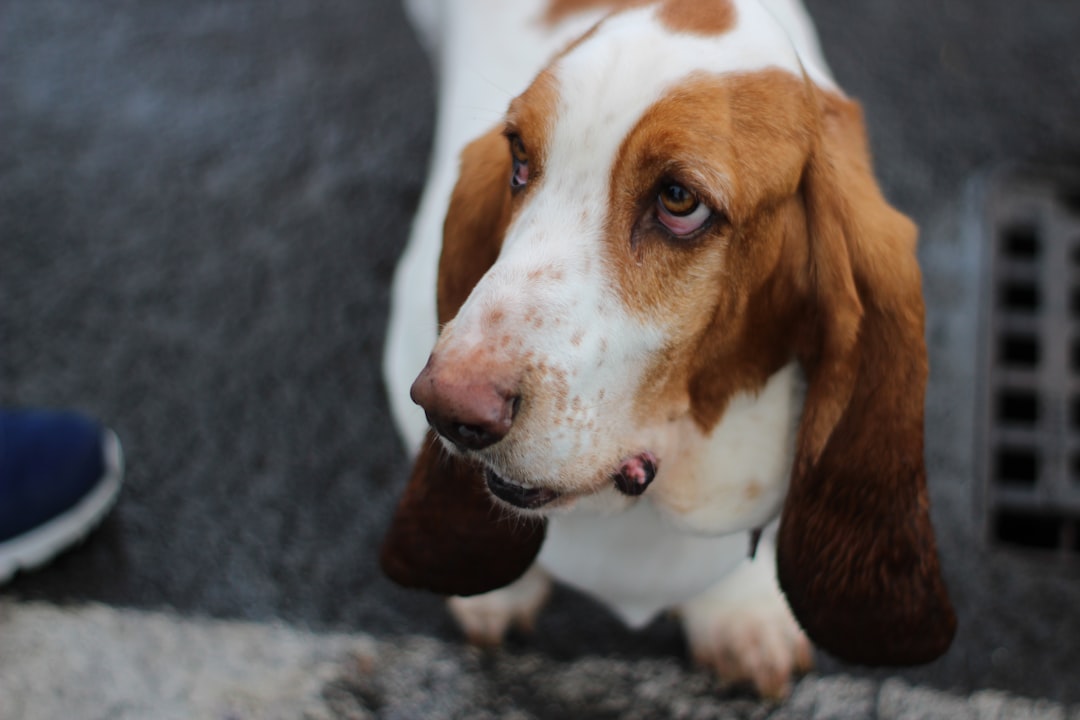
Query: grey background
x,y
201,204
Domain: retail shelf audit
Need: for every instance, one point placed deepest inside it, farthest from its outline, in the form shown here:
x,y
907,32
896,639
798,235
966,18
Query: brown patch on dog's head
x,y
698,17
476,222
729,294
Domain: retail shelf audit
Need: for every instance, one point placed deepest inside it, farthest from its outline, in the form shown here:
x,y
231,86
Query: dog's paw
x,y
486,618
744,631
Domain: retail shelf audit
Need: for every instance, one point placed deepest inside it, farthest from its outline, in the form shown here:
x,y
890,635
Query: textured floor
x,y
96,662
200,207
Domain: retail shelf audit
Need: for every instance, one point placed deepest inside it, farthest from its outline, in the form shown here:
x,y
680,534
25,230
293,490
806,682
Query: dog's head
x,y
675,210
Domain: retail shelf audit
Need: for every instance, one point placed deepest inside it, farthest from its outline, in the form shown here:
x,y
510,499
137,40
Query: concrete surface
x,y
200,207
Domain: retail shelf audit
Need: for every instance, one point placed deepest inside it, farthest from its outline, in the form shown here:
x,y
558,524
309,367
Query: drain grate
x,y
1029,419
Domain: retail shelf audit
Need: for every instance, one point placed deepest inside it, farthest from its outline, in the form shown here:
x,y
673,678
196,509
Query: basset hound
x,y
665,339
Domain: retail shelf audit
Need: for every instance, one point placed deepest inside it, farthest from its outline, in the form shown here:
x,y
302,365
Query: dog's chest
x,y
634,562
692,527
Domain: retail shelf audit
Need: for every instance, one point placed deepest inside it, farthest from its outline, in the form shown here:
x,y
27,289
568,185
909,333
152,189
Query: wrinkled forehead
x,y
633,58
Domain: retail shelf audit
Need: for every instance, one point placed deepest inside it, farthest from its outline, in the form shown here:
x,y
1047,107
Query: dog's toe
x,y
753,649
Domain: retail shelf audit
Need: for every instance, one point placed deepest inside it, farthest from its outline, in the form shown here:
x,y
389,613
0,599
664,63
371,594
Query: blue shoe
x,y
60,474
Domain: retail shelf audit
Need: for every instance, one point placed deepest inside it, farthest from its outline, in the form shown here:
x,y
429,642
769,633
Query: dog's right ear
x,y
856,553
447,534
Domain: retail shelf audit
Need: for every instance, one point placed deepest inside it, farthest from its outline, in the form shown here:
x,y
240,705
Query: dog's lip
x,y
632,478
518,495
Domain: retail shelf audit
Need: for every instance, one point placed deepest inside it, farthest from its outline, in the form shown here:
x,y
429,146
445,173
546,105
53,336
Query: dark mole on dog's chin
x,y
636,473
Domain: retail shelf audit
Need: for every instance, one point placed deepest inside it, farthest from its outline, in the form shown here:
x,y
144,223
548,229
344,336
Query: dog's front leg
x,y
486,618
743,630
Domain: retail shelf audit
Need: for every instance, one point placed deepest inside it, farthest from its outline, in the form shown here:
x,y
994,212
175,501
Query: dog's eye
x,y
679,210
519,176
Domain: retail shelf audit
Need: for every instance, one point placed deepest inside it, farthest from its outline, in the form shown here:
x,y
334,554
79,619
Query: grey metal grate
x,y
1029,419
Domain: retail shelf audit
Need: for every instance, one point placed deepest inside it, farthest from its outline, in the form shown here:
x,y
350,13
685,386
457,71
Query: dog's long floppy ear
x,y
857,557
447,536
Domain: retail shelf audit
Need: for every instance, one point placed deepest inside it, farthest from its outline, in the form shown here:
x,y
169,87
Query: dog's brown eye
x,y
519,176
677,200
679,210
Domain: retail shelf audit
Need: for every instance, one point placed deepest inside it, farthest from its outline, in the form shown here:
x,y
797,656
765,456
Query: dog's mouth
x,y
632,478
518,495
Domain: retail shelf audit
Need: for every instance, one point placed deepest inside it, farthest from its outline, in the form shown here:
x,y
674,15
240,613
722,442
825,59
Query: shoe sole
x,y
37,547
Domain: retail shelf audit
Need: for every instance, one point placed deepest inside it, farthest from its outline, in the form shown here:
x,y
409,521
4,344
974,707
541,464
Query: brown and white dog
x,y
674,308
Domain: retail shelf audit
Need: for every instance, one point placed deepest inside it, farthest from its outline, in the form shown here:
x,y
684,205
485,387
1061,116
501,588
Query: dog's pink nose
x,y
464,404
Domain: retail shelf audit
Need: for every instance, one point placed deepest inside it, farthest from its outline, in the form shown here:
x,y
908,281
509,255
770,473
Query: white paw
x,y
485,618
744,631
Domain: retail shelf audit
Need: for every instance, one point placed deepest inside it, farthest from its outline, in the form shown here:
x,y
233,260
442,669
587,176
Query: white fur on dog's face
x,y
600,362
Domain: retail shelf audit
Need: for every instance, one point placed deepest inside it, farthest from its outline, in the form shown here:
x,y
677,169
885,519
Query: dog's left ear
x,y
447,535
856,552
